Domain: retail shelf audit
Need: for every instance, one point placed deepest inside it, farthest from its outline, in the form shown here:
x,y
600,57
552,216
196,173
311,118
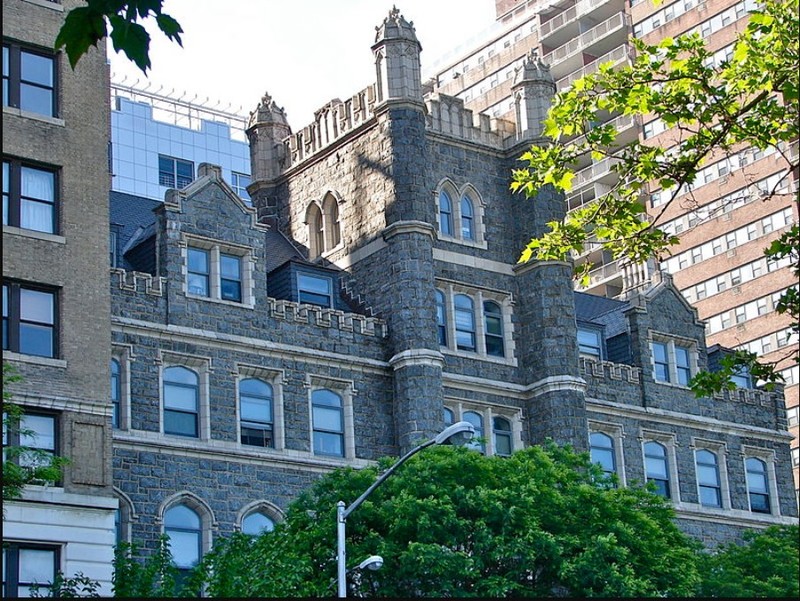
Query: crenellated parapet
x,y
447,115
607,370
136,281
327,318
331,123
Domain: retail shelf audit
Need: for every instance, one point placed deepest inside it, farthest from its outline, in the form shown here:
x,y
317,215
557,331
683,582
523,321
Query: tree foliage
x,y
85,26
767,565
22,465
453,522
748,101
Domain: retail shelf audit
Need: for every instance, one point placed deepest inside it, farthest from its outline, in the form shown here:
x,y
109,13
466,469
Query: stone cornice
x,y
422,356
409,227
557,384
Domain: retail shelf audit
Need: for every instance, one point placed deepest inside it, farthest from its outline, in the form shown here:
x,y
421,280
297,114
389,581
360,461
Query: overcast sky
x,y
303,52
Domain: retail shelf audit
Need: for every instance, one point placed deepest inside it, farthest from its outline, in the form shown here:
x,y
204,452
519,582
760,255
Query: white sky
x,y
303,52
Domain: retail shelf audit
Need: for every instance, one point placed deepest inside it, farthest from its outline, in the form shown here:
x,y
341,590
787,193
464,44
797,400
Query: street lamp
x,y
459,433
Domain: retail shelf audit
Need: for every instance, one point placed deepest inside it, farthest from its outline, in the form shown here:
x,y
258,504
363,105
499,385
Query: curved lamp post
x,y
459,433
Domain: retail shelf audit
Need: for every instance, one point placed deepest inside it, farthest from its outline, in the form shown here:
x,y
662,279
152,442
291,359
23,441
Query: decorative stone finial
x,y
533,69
395,26
267,112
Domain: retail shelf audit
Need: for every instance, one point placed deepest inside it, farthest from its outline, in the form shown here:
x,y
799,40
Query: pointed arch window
x,y
116,392
467,218
256,523
316,237
445,214
330,219
184,528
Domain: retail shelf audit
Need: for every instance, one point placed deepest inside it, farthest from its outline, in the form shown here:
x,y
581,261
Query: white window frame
x,y
768,457
455,194
504,300
273,377
216,249
201,366
671,342
488,413
720,449
346,390
668,441
617,434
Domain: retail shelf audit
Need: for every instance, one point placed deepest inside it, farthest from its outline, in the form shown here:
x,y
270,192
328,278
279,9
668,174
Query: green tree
x,y
22,465
85,26
750,100
767,565
452,522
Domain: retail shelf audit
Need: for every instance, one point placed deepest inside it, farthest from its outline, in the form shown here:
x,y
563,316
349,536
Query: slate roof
x,y
129,213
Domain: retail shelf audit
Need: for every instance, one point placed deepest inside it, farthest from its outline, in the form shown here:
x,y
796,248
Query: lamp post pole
x,y
458,433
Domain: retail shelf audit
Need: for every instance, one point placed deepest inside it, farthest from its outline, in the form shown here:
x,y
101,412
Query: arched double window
x,y
459,213
324,229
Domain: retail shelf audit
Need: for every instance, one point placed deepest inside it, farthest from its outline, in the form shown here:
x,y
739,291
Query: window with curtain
x,y
29,196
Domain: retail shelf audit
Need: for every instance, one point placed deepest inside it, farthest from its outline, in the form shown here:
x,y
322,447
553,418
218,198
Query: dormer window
x,y
315,290
217,271
590,343
673,361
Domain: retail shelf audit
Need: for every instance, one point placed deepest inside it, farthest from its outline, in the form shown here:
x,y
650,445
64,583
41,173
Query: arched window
x,y
757,485
467,219
445,214
601,450
493,318
476,419
708,480
449,417
441,318
328,422
465,322
116,392
181,402
503,437
256,414
655,460
257,522
330,212
184,528
316,239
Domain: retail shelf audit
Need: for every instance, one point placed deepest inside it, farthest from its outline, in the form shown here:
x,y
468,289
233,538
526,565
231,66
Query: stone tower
x,y
533,91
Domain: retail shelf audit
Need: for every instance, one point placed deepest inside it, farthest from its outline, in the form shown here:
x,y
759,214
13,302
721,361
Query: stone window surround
x,y
330,232
128,514
198,364
274,377
720,449
455,195
346,390
673,341
208,522
768,457
217,248
450,289
617,434
488,413
268,508
668,441
124,355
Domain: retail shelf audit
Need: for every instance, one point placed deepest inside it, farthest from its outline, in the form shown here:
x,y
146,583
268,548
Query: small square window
x,y
174,173
315,290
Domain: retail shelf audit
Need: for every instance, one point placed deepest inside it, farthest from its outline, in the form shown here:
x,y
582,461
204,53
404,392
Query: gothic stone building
x,y
370,295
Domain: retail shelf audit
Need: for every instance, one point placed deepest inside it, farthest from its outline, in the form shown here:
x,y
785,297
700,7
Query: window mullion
x,y
480,325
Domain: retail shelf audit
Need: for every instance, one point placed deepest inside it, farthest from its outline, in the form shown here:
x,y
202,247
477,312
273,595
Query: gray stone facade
x,y
386,155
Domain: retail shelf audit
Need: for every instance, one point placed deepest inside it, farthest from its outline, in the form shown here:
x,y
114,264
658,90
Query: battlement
x,y
610,371
137,281
327,318
447,115
748,396
331,123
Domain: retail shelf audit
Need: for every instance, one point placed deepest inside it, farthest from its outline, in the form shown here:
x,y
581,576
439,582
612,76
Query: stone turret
x,y
266,130
397,63
533,89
